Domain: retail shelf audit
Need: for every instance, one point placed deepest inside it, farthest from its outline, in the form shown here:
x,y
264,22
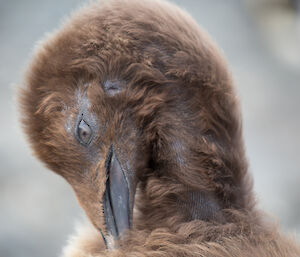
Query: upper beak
x,y
118,197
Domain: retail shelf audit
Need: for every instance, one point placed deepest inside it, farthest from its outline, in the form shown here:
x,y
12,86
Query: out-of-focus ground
x,y
261,40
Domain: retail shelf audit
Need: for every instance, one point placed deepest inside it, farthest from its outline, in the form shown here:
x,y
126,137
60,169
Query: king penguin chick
x,y
133,105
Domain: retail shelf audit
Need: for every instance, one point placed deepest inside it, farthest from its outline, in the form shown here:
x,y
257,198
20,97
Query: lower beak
x,y
118,198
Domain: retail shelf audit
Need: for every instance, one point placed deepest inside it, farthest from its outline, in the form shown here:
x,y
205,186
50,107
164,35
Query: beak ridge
x,y
116,204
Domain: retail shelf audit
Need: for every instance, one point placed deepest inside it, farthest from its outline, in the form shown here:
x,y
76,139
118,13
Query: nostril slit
x,y
108,160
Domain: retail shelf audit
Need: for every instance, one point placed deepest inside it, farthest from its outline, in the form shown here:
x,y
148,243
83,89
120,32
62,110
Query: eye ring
x,y
84,132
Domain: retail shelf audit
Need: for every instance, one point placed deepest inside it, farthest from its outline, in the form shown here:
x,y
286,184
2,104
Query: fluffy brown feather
x,y
193,239
175,115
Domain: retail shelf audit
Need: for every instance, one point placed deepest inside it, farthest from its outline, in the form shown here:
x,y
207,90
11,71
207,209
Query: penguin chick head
x,y
131,90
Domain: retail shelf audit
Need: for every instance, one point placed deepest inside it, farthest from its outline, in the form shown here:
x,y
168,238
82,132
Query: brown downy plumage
x,y
134,106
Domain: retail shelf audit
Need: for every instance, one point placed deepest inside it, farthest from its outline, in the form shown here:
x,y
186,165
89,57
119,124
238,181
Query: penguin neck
x,y
162,204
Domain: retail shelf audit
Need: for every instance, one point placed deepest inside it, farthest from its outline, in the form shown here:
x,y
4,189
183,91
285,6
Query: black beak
x,y
117,202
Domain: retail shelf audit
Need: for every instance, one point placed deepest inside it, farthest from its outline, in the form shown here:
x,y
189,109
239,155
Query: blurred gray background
x,y
261,40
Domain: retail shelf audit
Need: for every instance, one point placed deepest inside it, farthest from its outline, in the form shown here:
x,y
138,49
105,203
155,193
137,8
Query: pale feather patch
x,y
110,242
86,242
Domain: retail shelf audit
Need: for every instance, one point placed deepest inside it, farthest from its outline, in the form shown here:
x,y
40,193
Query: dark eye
x,y
84,132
